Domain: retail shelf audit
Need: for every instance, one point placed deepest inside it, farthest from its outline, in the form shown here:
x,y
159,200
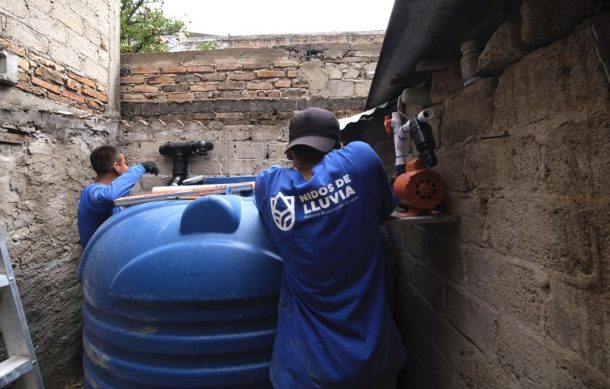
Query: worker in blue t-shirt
x,y
114,179
335,329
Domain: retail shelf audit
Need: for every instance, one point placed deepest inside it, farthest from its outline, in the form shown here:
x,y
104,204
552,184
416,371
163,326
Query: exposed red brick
x,y
60,99
282,84
199,69
12,48
292,73
232,85
175,88
222,67
82,80
45,84
160,80
71,84
173,69
261,94
132,80
285,64
285,115
256,65
73,96
214,77
242,76
259,85
29,88
270,73
23,76
93,104
273,94
93,93
207,87
144,70
49,74
180,96
126,88
145,89
24,64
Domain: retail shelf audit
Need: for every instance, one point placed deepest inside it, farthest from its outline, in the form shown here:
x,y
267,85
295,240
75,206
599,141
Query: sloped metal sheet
x,y
430,30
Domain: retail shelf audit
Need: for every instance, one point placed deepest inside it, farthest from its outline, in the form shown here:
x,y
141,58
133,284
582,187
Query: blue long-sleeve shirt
x,y
335,329
96,201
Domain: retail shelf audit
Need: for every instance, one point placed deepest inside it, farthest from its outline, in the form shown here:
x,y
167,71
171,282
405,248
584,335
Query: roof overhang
x,y
423,36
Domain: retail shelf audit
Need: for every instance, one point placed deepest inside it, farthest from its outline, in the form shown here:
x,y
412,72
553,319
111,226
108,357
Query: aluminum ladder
x,y
21,366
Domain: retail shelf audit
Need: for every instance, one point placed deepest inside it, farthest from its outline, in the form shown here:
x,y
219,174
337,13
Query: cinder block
x,y
468,112
577,320
567,77
511,286
546,20
474,319
503,48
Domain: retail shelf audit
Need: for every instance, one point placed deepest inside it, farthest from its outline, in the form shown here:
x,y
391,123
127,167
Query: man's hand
x,y
150,167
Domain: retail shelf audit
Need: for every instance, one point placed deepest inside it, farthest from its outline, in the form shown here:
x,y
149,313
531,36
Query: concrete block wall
x,y
63,106
248,135
315,70
516,295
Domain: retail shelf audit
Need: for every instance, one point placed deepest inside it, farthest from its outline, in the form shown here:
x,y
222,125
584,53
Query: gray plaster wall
x,y
516,295
45,142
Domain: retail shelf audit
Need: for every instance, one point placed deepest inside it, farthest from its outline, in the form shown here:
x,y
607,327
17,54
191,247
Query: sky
x,y
250,17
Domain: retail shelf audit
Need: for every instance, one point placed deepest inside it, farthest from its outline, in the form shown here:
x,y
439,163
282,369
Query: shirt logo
x,y
282,210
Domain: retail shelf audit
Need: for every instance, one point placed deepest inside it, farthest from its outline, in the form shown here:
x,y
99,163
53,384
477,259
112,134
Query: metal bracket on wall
x,y
8,68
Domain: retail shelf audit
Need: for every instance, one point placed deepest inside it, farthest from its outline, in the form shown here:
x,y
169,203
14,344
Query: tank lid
x,y
212,214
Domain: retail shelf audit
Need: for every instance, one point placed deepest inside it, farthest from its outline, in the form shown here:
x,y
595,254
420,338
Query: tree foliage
x,y
143,24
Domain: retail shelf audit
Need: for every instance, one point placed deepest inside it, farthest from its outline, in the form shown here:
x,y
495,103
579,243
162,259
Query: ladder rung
x,y
3,280
13,368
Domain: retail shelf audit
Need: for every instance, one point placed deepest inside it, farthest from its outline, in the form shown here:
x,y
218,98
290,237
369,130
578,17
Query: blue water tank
x,y
180,294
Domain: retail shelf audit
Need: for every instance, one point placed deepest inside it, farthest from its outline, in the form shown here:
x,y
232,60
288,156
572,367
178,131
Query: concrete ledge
x,y
414,220
131,109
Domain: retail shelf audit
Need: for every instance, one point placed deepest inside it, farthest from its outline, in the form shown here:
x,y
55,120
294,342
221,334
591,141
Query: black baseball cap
x,y
314,127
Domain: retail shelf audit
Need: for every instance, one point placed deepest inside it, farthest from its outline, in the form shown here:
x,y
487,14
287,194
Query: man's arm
x,y
104,196
388,200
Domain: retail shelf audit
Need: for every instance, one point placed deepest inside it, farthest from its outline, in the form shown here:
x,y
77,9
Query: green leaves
x,y
143,24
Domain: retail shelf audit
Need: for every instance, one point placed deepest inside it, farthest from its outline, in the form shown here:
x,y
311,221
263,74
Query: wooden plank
x,y
7,137
13,368
184,194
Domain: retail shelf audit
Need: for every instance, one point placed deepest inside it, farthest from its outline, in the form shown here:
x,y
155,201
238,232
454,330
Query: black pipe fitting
x,y
180,152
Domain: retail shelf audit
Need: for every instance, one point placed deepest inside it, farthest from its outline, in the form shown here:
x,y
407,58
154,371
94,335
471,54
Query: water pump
x,y
180,152
418,189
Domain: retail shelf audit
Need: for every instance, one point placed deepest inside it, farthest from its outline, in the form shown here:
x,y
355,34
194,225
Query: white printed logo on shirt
x,y
282,210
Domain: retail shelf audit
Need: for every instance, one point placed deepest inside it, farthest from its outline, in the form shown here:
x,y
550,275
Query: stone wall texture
x,y
517,294
317,70
50,121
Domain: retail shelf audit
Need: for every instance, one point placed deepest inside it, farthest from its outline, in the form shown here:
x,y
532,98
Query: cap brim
x,y
319,143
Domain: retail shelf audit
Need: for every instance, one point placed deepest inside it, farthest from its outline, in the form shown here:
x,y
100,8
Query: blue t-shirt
x,y
96,201
335,329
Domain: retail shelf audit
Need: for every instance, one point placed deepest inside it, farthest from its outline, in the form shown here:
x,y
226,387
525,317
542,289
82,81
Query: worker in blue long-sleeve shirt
x,y
114,179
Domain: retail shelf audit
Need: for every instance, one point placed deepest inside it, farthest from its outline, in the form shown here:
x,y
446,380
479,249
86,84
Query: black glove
x,y
150,167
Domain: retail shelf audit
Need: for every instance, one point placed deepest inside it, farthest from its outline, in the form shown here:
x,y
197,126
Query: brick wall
x,y
334,70
239,99
65,50
517,293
